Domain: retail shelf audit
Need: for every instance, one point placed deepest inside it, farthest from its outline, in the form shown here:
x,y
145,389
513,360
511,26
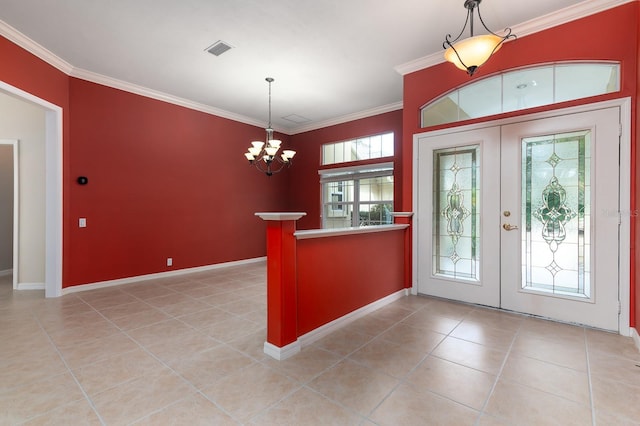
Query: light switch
x,y
82,222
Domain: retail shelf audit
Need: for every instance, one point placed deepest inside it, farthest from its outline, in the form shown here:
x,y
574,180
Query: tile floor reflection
x,y
188,350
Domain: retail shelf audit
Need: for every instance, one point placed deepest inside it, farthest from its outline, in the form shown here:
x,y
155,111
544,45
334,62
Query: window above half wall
x,y
521,89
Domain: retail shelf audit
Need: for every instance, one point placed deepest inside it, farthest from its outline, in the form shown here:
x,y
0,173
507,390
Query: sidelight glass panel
x,y
556,214
456,215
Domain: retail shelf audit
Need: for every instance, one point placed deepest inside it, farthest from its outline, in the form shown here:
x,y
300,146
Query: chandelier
x,y
472,52
264,155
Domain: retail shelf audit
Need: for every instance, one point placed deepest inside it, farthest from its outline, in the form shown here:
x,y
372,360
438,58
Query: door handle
x,y
508,227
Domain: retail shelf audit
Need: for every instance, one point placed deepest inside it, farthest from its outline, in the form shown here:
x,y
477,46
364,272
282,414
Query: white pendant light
x,y
471,53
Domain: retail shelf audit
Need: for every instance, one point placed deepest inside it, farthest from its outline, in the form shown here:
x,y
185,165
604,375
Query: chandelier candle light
x,y
264,155
469,54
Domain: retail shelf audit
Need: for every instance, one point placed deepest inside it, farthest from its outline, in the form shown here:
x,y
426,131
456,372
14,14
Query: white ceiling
x,y
331,59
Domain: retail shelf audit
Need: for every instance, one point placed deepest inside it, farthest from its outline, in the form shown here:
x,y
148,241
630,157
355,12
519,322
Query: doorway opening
x,y
52,193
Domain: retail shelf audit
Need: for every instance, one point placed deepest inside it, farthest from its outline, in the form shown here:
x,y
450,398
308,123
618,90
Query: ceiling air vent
x,y
298,119
218,48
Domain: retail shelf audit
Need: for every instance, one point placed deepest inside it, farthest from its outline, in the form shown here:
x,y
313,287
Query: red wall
x,y
164,181
23,70
337,275
157,189
303,178
635,180
610,35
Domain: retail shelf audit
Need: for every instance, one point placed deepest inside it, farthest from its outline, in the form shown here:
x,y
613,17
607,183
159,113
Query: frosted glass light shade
x,y
474,51
270,150
288,153
275,143
257,144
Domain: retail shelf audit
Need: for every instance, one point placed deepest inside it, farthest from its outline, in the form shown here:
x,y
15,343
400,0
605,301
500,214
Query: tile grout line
x,y
498,375
70,371
591,401
141,346
403,380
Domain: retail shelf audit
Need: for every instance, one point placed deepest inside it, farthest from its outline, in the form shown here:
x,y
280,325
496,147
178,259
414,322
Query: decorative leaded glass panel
x,y
556,213
456,216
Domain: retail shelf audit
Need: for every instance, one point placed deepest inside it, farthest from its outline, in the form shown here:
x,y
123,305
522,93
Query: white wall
x,y
26,122
6,207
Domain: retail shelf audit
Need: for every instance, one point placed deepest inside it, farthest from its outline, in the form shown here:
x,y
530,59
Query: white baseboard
x,y
320,332
30,286
284,352
136,279
636,337
6,272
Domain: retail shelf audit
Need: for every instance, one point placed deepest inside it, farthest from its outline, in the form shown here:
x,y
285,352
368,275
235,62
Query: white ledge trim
x,y
402,214
281,216
321,233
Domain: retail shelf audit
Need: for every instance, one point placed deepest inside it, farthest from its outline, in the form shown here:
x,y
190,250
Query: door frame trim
x,y
624,248
13,143
53,189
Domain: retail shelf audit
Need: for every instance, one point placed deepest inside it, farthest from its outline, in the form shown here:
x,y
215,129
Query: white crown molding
x,y
161,96
346,118
13,35
562,16
36,49
16,37
585,8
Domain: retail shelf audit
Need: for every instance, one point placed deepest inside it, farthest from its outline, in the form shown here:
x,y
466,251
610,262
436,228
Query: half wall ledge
x,y
280,216
315,284
319,233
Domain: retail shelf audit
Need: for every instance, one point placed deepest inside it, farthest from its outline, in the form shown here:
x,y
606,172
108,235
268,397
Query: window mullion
x,y
355,215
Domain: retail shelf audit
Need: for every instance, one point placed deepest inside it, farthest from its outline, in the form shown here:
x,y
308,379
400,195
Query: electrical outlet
x,y
82,222
169,261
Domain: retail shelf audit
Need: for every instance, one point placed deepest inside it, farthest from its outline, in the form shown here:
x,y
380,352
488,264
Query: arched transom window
x,y
522,89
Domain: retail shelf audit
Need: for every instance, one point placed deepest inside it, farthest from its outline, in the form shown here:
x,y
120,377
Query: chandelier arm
x,y
507,30
258,165
282,165
267,166
448,37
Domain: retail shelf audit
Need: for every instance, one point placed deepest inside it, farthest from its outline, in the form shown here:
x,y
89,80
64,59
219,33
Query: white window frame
x,y
504,82
355,174
363,148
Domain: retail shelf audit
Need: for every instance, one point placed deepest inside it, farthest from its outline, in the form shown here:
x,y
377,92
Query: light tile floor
x,y
188,350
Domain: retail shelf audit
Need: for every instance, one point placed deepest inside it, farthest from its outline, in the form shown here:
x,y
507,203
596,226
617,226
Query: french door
x,y
524,217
